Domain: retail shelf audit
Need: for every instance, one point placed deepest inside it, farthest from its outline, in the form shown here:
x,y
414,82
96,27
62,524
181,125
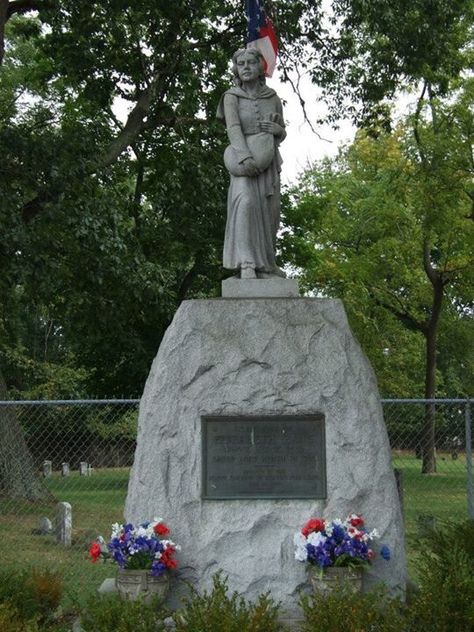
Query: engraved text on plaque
x,y
264,457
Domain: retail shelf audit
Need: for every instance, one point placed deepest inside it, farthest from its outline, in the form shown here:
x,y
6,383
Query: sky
x,y
302,146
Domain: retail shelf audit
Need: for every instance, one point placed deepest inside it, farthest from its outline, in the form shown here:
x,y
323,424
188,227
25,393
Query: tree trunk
x,y
18,476
3,21
431,335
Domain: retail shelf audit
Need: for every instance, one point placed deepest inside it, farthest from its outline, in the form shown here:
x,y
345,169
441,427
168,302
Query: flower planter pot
x,y
335,578
140,584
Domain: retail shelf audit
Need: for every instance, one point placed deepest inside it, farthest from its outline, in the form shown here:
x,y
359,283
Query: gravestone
x,y
65,469
84,468
47,468
222,441
45,526
64,524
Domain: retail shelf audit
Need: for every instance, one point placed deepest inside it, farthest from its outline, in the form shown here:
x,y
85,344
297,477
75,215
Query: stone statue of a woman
x,y
253,116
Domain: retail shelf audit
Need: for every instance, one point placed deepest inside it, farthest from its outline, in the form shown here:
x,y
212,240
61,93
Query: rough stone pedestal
x,y
287,356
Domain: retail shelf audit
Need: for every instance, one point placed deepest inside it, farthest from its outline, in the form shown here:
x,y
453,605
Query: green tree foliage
x,y
381,46
387,226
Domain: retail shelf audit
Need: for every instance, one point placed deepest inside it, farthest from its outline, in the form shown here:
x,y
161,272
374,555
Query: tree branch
x,y
431,273
416,128
403,316
134,124
3,20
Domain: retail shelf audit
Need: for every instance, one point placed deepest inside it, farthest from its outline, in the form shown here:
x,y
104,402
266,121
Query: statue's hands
x,y
272,128
250,167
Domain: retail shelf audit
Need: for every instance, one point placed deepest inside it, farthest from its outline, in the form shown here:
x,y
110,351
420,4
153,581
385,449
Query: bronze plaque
x,y
263,457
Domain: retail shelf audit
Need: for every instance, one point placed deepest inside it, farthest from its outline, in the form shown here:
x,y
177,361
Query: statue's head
x,y
253,52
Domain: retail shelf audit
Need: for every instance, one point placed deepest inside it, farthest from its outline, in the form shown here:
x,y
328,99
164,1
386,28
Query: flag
x,y
261,34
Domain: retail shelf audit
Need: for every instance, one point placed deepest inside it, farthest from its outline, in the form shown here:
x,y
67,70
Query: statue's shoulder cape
x,y
265,93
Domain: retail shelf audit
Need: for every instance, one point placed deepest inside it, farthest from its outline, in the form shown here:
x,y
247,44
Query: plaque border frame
x,y
319,417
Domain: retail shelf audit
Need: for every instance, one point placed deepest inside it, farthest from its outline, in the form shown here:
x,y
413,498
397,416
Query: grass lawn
x,y
442,496
98,501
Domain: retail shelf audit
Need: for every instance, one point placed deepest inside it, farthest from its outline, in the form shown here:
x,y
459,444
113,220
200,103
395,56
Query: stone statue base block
x,y
259,288
259,358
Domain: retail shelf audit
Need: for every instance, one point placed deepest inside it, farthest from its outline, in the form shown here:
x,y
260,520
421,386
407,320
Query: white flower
x,y
116,528
167,543
316,537
374,534
301,554
141,532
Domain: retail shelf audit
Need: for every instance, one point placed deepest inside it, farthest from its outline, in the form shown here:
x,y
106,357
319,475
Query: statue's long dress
x,y
253,203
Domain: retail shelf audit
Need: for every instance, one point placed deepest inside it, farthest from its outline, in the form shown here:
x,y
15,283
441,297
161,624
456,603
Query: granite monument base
x,y
262,358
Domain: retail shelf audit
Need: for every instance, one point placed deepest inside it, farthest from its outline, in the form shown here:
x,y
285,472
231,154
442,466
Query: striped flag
x,y
261,34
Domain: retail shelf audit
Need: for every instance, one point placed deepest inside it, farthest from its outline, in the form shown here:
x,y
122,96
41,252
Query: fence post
x,y
399,481
470,484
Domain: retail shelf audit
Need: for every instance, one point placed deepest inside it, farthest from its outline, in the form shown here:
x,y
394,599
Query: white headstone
x,y
83,468
45,526
109,585
256,358
65,469
64,524
47,468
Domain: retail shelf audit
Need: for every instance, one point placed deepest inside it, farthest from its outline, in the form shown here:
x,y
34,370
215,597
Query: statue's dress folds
x,y
253,202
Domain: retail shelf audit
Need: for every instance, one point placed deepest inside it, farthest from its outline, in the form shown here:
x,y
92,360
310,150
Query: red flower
x,y
370,554
94,551
166,557
161,529
313,524
357,521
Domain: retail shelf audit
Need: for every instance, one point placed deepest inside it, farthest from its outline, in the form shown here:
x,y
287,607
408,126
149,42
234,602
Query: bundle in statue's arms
x,y
262,148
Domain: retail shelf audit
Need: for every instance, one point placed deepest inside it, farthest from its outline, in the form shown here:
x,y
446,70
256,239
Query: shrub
x,y
112,614
218,612
445,600
345,610
34,594
11,621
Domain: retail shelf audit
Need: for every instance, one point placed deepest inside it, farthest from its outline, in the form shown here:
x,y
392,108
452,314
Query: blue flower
x,y
157,568
338,532
385,552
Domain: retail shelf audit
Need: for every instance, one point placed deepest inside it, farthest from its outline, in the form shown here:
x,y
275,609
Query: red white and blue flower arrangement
x,y
141,547
326,543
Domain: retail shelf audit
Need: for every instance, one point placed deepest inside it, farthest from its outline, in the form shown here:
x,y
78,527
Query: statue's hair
x,y
258,56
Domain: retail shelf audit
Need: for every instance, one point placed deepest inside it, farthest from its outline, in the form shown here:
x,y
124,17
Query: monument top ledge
x,y
275,287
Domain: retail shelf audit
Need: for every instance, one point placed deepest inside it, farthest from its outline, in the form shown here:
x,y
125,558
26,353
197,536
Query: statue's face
x,y
248,67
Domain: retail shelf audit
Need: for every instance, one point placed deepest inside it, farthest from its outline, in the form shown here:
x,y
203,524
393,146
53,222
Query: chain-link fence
x,y
80,453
